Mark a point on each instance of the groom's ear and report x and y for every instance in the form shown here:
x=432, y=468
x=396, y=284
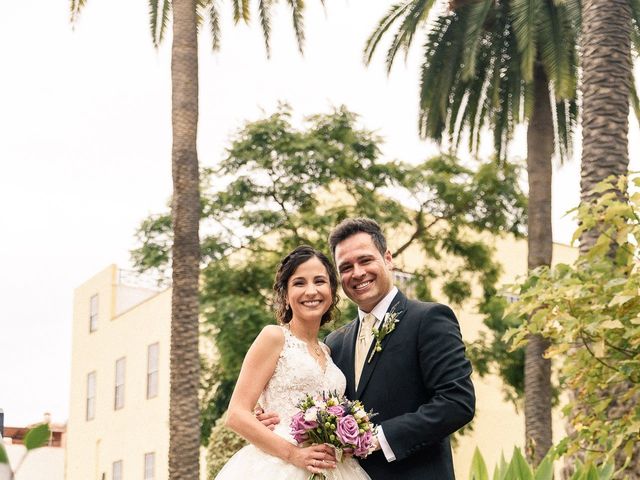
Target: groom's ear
x=388, y=258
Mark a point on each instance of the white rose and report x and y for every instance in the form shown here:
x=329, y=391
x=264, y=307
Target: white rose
x=311, y=415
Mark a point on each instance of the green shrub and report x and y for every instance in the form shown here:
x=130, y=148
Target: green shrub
x=223, y=443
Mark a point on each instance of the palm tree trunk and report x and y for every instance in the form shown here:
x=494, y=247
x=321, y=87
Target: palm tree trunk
x=184, y=427
x=606, y=87
x=537, y=370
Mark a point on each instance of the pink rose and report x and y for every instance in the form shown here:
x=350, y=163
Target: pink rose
x=347, y=430
x=363, y=444
x=336, y=410
x=299, y=427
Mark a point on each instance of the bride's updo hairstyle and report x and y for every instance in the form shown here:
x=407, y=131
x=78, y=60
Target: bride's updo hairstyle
x=287, y=268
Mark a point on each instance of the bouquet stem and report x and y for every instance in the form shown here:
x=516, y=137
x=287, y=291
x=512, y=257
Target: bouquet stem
x=317, y=476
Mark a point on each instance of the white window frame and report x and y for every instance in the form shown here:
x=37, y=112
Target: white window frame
x=116, y=470
x=118, y=397
x=93, y=313
x=90, y=412
x=153, y=354
x=149, y=466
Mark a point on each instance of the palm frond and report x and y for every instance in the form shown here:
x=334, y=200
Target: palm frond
x=383, y=25
x=264, y=12
x=439, y=74
x=214, y=25
x=557, y=49
x=159, y=12
x=476, y=95
x=418, y=12
x=635, y=40
x=297, y=14
x=564, y=127
x=75, y=7
x=635, y=17
x=525, y=17
x=635, y=101
x=574, y=12
x=476, y=17
x=457, y=107
x=529, y=99
x=241, y=11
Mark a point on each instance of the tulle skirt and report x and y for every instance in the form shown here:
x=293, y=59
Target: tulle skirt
x=251, y=462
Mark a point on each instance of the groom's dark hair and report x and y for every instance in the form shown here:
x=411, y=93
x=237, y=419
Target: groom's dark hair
x=352, y=226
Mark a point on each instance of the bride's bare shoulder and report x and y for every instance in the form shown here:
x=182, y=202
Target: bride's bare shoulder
x=271, y=335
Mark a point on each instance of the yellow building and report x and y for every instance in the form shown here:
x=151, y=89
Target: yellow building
x=497, y=426
x=118, y=420
x=119, y=403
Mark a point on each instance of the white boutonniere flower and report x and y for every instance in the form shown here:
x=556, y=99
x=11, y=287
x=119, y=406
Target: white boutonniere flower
x=387, y=326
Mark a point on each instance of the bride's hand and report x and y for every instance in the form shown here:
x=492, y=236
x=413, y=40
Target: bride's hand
x=314, y=458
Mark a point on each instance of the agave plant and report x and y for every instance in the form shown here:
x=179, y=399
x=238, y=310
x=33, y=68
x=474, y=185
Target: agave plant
x=517, y=468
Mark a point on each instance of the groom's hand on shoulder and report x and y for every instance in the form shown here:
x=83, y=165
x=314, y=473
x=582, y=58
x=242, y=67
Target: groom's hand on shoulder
x=268, y=419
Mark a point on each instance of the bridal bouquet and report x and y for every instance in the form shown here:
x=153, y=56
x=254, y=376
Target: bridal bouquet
x=334, y=420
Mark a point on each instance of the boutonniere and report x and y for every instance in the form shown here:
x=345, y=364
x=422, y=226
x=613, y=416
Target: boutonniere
x=387, y=326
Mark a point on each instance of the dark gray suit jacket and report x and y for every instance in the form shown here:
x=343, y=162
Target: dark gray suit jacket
x=419, y=384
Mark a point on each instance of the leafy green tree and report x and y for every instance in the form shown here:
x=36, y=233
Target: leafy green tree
x=288, y=186
x=590, y=312
x=187, y=16
x=496, y=64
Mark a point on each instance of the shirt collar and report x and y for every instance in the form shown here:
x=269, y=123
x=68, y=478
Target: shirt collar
x=383, y=305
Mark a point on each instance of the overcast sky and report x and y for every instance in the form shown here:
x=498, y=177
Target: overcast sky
x=85, y=140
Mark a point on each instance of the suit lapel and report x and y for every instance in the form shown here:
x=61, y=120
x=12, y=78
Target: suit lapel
x=400, y=304
x=349, y=369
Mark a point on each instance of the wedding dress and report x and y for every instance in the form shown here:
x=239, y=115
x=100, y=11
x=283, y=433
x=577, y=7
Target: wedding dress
x=297, y=373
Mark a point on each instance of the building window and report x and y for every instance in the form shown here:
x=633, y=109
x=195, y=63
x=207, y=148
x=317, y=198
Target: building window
x=91, y=395
x=149, y=466
x=152, y=370
x=119, y=391
x=93, y=313
x=116, y=471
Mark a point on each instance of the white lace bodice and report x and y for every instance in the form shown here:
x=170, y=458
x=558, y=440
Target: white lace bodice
x=297, y=373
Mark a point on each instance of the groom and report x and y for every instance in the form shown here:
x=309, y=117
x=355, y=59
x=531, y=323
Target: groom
x=418, y=379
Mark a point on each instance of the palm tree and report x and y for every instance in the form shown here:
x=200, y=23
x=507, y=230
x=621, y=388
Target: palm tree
x=610, y=28
x=184, y=415
x=495, y=64
x=607, y=85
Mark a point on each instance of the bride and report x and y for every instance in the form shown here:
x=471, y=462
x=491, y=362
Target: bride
x=285, y=363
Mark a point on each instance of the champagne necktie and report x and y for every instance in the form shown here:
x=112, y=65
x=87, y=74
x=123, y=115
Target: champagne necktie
x=363, y=343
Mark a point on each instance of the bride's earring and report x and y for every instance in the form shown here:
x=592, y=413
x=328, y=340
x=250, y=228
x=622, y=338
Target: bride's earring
x=287, y=307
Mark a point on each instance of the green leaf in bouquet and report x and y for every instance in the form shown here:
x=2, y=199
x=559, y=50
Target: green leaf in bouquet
x=37, y=437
